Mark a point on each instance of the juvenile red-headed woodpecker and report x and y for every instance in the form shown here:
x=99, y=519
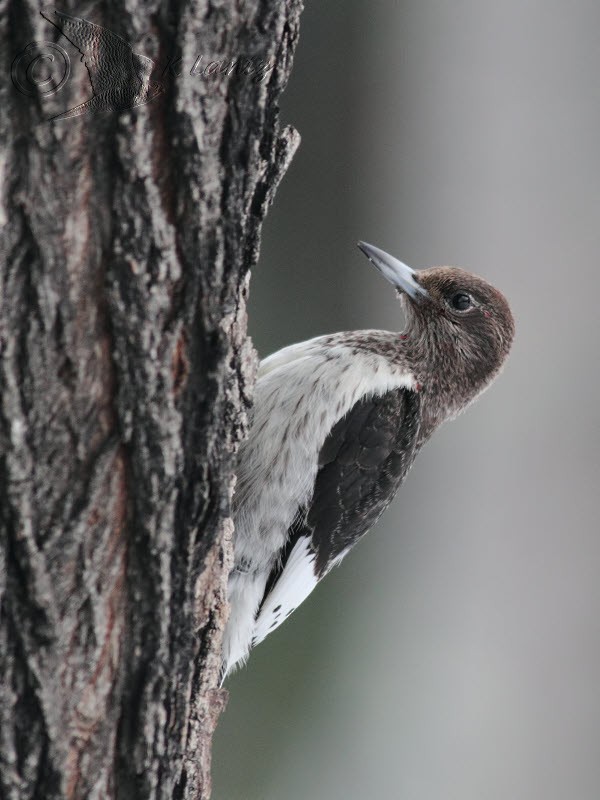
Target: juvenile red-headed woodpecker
x=336, y=424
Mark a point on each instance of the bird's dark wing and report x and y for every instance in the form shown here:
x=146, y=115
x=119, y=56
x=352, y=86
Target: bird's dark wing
x=361, y=466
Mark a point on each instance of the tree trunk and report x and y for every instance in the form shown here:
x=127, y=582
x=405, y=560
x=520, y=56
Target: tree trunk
x=125, y=378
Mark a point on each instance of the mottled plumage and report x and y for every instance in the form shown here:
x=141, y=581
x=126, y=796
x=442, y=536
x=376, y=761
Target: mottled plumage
x=337, y=422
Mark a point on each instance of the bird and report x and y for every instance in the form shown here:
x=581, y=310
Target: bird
x=336, y=424
x=120, y=78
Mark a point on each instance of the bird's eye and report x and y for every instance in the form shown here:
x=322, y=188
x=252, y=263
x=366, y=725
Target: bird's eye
x=461, y=301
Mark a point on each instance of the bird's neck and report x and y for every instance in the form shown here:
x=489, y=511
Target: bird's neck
x=439, y=370
x=449, y=383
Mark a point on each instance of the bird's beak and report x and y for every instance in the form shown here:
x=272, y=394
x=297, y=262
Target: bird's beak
x=397, y=273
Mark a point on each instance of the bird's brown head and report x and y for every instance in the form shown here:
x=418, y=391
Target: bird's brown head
x=459, y=328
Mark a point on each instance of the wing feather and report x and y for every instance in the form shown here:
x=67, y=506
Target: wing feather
x=362, y=463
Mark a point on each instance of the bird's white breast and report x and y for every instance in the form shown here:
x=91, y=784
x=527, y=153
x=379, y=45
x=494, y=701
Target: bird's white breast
x=301, y=392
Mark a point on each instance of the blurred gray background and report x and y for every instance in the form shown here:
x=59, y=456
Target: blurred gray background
x=456, y=651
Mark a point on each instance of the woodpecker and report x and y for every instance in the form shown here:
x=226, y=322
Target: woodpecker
x=336, y=425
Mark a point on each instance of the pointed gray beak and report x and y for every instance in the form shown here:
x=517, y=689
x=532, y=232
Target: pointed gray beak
x=397, y=273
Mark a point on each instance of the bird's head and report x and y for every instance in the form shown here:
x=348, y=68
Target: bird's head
x=459, y=327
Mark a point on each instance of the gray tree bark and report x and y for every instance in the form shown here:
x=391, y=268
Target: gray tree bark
x=125, y=378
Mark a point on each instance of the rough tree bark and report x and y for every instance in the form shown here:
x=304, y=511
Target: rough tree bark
x=125, y=376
